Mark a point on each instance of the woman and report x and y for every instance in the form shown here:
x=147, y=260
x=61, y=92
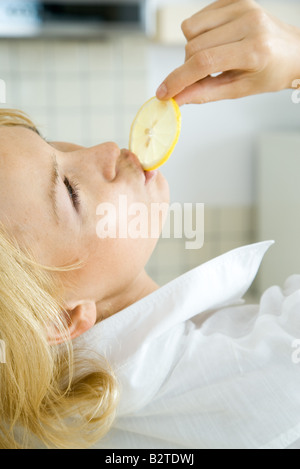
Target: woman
x=60, y=282
x=49, y=199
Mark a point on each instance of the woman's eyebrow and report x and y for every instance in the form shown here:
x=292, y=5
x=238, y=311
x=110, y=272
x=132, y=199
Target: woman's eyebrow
x=54, y=177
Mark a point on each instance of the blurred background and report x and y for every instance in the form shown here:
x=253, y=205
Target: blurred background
x=82, y=68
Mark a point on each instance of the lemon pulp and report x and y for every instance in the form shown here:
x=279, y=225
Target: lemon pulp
x=155, y=132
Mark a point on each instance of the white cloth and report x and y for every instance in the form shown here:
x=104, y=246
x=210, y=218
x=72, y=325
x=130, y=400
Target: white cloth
x=200, y=369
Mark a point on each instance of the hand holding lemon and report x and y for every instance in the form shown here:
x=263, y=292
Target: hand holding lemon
x=234, y=48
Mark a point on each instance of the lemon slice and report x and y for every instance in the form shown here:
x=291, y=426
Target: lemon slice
x=155, y=132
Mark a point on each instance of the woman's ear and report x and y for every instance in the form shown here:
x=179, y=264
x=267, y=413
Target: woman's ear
x=81, y=318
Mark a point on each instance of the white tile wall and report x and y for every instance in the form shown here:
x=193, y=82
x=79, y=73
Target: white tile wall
x=88, y=91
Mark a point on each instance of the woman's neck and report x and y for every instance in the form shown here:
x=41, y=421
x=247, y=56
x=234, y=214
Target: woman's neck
x=142, y=287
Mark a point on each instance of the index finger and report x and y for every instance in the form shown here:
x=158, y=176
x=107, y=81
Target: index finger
x=206, y=62
x=219, y=4
x=206, y=20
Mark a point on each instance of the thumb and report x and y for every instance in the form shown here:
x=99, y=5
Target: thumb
x=213, y=89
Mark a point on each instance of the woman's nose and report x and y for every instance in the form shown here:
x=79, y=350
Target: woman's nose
x=105, y=158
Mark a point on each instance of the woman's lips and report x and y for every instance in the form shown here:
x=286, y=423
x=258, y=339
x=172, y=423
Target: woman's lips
x=148, y=175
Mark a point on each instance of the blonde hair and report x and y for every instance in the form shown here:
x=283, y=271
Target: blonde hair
x=43, y=396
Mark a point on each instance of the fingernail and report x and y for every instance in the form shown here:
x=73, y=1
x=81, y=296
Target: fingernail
x=162, y=91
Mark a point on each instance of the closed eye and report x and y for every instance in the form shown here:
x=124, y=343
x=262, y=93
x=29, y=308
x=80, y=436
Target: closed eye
x=72, y=187
x=73, y=190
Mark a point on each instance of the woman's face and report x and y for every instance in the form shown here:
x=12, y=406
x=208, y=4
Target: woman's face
x=62, y=226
